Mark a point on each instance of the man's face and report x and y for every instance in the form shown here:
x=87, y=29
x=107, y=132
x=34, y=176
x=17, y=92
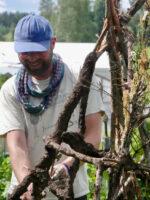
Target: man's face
x=36, y=63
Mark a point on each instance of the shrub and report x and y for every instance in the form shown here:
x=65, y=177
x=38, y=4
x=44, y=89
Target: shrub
x=91, y=169
x=5, y=174
x=3, y=78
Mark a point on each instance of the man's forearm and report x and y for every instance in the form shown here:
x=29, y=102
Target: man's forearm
x=19, y=155
x=20, y=164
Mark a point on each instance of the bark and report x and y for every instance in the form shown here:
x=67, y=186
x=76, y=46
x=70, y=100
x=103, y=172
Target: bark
x=98, y=182
x=145, y=138
x=132, y=11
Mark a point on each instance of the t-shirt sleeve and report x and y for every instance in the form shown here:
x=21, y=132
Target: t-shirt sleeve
x=11, y=114
x=95, y=103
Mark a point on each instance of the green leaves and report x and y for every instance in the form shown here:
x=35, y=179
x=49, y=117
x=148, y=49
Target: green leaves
x=5, y=174
x=3, y=78
x=8, y=22
x=76, y=20
x=5, y=167
x=91, y=169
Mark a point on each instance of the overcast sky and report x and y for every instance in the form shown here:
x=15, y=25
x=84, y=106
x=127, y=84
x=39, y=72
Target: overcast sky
x=31, y=5
x=19, y=5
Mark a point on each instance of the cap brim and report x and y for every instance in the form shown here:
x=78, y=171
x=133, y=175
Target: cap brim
x=21, y=47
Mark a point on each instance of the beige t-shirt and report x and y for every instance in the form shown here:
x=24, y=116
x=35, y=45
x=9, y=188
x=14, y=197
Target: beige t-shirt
x=13, y=117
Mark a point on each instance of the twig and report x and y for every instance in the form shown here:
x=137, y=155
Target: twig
x=131, y=12
x=98, y=182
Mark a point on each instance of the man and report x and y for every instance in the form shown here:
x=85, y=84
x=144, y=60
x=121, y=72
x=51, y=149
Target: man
x=30, y=103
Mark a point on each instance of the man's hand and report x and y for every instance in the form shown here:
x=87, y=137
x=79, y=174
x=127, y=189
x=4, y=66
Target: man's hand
x=59, y=174
x=27, y=195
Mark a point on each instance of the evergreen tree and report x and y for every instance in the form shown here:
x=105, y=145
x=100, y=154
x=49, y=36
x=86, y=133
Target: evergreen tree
x=74, y=21
x=8, y=22
x=99, y=14
x=48, y=9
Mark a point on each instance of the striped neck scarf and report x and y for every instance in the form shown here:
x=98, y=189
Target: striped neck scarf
x=25, y=87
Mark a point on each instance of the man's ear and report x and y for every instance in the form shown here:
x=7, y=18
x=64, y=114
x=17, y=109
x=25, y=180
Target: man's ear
x=53, y=41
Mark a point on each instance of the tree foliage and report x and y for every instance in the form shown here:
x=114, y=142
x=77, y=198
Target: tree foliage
x=5, y=175
x=74, y=21
x=8, y=22
x=3, y=78
x=99, y=14
x=80, y=21
x=48, y=9
x=71, y=20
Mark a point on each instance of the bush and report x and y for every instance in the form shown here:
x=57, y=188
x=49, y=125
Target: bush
x=5, y=167
x=5, y=175
x=3, y=78
x=91, y=169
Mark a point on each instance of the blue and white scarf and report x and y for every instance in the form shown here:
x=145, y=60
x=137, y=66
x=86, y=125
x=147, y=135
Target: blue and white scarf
x=25, y=88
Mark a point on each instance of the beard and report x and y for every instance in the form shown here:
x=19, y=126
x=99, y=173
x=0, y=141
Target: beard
x=42, y=66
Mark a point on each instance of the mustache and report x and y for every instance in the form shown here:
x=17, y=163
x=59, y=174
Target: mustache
x=29, y=62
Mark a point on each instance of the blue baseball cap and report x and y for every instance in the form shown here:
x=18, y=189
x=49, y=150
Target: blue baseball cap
x=32, y=34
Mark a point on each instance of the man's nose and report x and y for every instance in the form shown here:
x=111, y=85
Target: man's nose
x=32, y=56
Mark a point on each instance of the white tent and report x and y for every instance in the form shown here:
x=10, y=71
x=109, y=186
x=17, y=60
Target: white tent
x=73, y=54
